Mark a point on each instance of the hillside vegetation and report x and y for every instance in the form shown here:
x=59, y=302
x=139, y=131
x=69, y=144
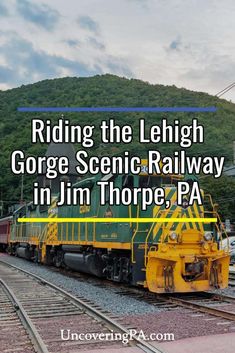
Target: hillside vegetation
x=109, y=90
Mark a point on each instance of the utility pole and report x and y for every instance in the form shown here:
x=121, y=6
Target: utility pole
x=22, y=189
x=1, y=207
x=234, y=152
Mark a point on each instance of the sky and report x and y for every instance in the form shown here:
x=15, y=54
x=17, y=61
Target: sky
x=186, y=43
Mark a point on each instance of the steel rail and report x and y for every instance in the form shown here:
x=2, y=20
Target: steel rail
x=203, y=308
x=226, y=298
x=33, y=333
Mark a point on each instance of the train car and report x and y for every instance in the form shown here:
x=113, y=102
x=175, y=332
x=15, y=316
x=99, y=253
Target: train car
x=162, y=257
x=5, y=226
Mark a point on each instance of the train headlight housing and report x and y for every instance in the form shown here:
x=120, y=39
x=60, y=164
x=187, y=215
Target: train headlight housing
x=214, y=247
x=208, y=236
x=205, y=248
x=173, y=236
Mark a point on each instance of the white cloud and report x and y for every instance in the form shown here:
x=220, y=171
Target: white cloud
x=186, y=43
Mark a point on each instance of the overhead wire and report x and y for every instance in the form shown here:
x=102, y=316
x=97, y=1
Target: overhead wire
x=225, y=90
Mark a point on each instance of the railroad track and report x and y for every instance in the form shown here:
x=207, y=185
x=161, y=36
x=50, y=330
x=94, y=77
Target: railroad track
x=207, y=306
x=213, y=304
x=218, y=305
x=39, y=310
x=17, y=330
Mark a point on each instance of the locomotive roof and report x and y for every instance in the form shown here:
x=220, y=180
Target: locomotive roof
x=5, y=219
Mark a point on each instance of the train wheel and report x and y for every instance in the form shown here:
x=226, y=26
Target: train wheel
x=58, y=259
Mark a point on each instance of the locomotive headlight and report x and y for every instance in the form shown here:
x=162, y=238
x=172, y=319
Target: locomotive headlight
x=173, y=236
x=214, y=247
x=208, y=236
x=205, y=248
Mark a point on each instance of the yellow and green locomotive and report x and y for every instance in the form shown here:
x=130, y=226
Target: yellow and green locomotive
x=162, y=257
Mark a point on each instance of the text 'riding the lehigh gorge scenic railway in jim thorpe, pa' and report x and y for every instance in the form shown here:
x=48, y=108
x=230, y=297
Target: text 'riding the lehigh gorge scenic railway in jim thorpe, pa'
x=117, y=176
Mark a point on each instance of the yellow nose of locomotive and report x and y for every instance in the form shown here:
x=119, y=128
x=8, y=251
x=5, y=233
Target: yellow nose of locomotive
x=187, y=262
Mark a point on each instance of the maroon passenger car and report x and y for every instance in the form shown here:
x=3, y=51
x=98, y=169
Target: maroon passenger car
x=5, y=225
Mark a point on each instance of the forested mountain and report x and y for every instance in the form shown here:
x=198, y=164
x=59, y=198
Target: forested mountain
x=109, y=90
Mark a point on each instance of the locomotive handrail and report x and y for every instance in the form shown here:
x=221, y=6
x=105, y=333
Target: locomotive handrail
x=219, y=219
x=222, y=230
x=133, y=236
x=41, y=239
x=147, y=237
x=146, y=244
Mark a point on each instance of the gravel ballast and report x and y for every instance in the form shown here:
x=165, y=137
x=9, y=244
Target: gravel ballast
x=106, y=298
